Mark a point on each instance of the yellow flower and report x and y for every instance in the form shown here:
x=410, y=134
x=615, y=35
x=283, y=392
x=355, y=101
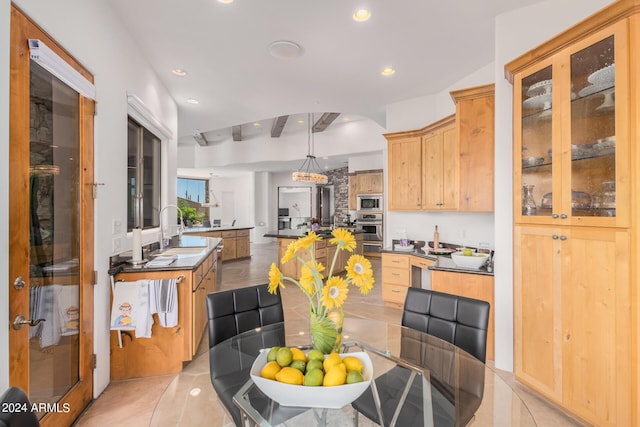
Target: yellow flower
x=275, y=278
x=289, y=253
x=334, y=292
x=343, y=239
x=307, y=279
x=307, y=241
x=360, y=273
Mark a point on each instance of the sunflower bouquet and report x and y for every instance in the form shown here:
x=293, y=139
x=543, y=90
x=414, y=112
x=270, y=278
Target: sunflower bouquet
x=326, y=294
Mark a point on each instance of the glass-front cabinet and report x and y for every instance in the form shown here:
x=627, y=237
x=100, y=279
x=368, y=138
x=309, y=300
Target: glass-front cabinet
x=571, y=145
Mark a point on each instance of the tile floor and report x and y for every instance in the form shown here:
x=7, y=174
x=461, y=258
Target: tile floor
x=131, y=403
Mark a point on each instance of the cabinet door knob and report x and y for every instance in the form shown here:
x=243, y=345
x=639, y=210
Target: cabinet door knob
x=555, y=216
x=563, y=237
x=563, y=216
x=555, y=237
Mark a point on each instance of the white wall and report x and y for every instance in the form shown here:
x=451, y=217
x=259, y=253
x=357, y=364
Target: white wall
x=94, y=36
x=516, y=33
x=367, y=162
x=5, y=17
x=241, y=189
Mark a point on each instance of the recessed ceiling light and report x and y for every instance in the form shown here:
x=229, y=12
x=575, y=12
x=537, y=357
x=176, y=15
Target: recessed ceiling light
x=325, y=158
x=225, y=1
x=300, y=122
x=388, y=71
x=179, y=72
x=361, y=15
x=193, y=101
x=345, y=119
x=256, y=124
x=285, y=49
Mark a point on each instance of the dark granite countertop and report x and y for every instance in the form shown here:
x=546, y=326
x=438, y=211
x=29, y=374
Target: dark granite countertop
x=442, y=262
x=198, y=248
x=294, y=234
x=221, y=228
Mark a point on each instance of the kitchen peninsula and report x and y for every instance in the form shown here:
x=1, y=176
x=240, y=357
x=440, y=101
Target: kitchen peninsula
x=235, y=240
x=324, y=252
x=195, y=269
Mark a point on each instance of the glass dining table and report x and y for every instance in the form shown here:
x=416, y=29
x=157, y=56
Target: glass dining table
x=457, y=389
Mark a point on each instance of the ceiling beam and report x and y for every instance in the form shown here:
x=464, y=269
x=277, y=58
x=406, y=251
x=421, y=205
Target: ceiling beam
x=200, y=139
x=324, y=121
x=236, y=131
x=278, y=125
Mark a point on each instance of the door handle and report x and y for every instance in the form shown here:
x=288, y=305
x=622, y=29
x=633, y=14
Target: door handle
x=20, y=321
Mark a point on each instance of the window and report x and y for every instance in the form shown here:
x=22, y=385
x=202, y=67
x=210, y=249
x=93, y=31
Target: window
x=192, y=194
x=143, y=177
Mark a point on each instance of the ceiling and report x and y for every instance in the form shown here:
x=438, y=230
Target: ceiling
x=224, y=50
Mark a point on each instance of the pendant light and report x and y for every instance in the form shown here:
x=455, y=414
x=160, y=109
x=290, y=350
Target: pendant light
x=310, y=170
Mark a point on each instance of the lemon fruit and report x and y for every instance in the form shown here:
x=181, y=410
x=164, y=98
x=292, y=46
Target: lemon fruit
x=334, y=376
x=354, y=377
x=271, y=356
x=315, y=355
x=298, y=354
x=284, y=356
x=314, y=377
x=290, y=375
x=467, y=252
x=314, y=364
x=353, y=364
x=331, y=360
x=270, y=370
x=299, y=365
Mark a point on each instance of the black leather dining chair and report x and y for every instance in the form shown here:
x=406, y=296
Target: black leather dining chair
x=230, y=313
x=458, y=320
x=10, y=417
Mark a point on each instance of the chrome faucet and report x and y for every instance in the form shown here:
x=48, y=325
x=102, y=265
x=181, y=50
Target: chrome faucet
x=180, y=230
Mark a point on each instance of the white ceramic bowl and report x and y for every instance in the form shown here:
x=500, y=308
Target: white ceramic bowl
x=476, y=260
x=312, y=397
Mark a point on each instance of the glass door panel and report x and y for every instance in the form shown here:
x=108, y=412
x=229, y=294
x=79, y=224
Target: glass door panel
x=537, y=143
x=54, y=236
x=593, y=136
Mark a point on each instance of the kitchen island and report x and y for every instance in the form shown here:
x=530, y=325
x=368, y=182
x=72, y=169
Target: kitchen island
x=195, y=269
x=324, y=251
x=235, y=240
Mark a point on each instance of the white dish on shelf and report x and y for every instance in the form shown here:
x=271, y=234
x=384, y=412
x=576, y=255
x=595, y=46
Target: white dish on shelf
x=312, y=397
x=595, y=88
x=605, y=75
x=538, y=101
x=539, y=88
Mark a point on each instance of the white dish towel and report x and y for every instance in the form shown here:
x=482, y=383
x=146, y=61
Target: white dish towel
x=165, y=296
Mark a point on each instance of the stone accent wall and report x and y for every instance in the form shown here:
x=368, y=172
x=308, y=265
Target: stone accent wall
x=339, y=178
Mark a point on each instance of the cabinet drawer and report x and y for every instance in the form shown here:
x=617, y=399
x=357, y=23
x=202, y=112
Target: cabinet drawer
x=421, y=262
x=321, y=253
x=217, y=234
x=396, y=276
x=242, y=233
x=198, y=275
x=229, y=234
x=394, y=294
x=321, y=244
x=395, y=261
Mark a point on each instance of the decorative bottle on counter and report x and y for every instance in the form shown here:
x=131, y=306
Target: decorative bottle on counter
x=436, y=239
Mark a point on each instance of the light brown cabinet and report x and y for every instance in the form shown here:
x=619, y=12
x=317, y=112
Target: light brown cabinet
x=477, y=286
x=236, y=243
x=447, y=165
x=364, y=182
x=167, y=349
x=576, y=299
x=396, y=278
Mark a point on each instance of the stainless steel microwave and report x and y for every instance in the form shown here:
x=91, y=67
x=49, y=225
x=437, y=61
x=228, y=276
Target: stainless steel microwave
x=370, y=202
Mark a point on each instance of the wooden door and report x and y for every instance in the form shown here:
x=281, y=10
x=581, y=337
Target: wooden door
x=596, y=319
x=537, y=308
x=449, y=168
x=51, y=223
x=405, y=173
x=353, y=192
x=433, y=171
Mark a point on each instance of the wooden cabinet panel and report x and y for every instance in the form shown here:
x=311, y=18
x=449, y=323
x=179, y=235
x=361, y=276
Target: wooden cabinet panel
x=477, y=286
x=439, y=161
x=475, y=117
x=243, y=247
x=353, y=192
x=405, y=173
x=229, y=249
x=396, y=278
x=369, y=182
x=394, y=294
